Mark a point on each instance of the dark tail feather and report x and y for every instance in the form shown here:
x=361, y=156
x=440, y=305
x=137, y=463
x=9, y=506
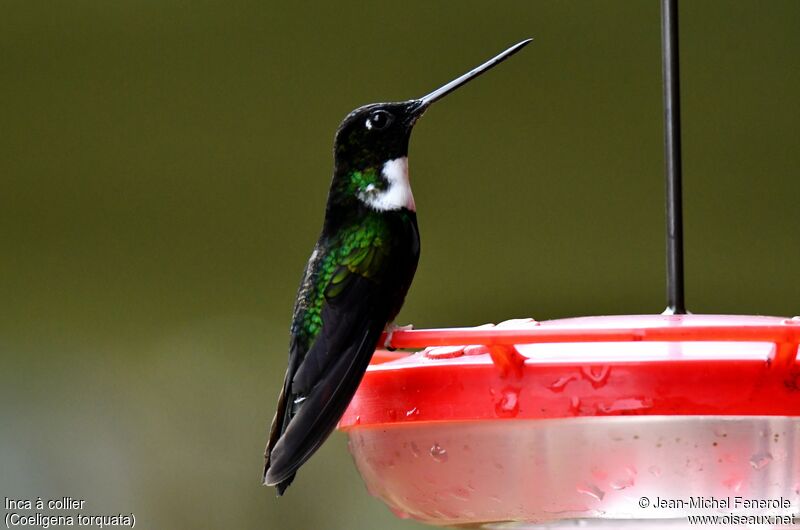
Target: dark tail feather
x=281, y=486
x=278, y=426
x=279, y=423
x=320, y=412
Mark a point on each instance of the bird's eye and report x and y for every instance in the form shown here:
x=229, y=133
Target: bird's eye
x=380, y=119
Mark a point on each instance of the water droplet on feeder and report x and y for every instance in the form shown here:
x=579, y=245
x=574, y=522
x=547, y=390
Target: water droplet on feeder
x=760, y=460
x=597, y=375
x=438, y=453
x=559, y=384
x=622, y=483
x=655, y=471
x=507, y=406
x=415, y=450
x=625, y=482
x=592, y=491
x=628, y=404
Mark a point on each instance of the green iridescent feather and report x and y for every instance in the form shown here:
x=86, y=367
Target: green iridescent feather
x=360, y=180
x=358, y=249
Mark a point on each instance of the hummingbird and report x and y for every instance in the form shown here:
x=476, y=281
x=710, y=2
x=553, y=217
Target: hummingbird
x=357, y=277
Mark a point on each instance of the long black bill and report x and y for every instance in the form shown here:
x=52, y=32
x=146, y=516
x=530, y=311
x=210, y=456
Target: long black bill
x=439, y=93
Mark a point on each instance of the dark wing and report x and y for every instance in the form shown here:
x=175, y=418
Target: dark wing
x=319, y=387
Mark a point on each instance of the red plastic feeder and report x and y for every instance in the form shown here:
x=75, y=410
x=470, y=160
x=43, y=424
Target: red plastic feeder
x=582, y=418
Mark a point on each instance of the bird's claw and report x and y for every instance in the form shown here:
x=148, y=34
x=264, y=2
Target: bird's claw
x=390, y=329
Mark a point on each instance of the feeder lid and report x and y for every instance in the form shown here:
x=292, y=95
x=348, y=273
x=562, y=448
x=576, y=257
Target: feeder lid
x=590, y=366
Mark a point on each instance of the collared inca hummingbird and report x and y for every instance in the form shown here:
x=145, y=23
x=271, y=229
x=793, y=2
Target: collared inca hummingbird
x=357, y=277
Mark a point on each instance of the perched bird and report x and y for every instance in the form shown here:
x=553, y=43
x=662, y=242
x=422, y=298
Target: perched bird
x=356, y=279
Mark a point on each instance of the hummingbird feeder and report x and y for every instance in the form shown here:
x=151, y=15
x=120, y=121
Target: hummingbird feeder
x=603, y=420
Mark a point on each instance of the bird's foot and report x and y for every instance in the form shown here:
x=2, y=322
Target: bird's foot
x=390, y=329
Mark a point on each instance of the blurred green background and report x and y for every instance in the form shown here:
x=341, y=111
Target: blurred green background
x=164, y=169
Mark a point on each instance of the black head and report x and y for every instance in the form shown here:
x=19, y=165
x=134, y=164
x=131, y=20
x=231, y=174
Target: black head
x=373, y=134
x=371, y=148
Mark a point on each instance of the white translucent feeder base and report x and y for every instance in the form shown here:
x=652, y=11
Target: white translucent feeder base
x=582, y=472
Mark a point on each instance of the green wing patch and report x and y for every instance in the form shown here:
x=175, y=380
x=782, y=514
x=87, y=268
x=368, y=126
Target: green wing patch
x=360, y=249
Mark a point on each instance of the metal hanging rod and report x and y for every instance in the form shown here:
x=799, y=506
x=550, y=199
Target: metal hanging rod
x=672, y=151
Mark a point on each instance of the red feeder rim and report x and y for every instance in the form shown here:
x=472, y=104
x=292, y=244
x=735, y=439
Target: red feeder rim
x=591, y=366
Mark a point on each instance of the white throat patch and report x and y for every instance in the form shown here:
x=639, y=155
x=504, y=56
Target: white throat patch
x=398, y=194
